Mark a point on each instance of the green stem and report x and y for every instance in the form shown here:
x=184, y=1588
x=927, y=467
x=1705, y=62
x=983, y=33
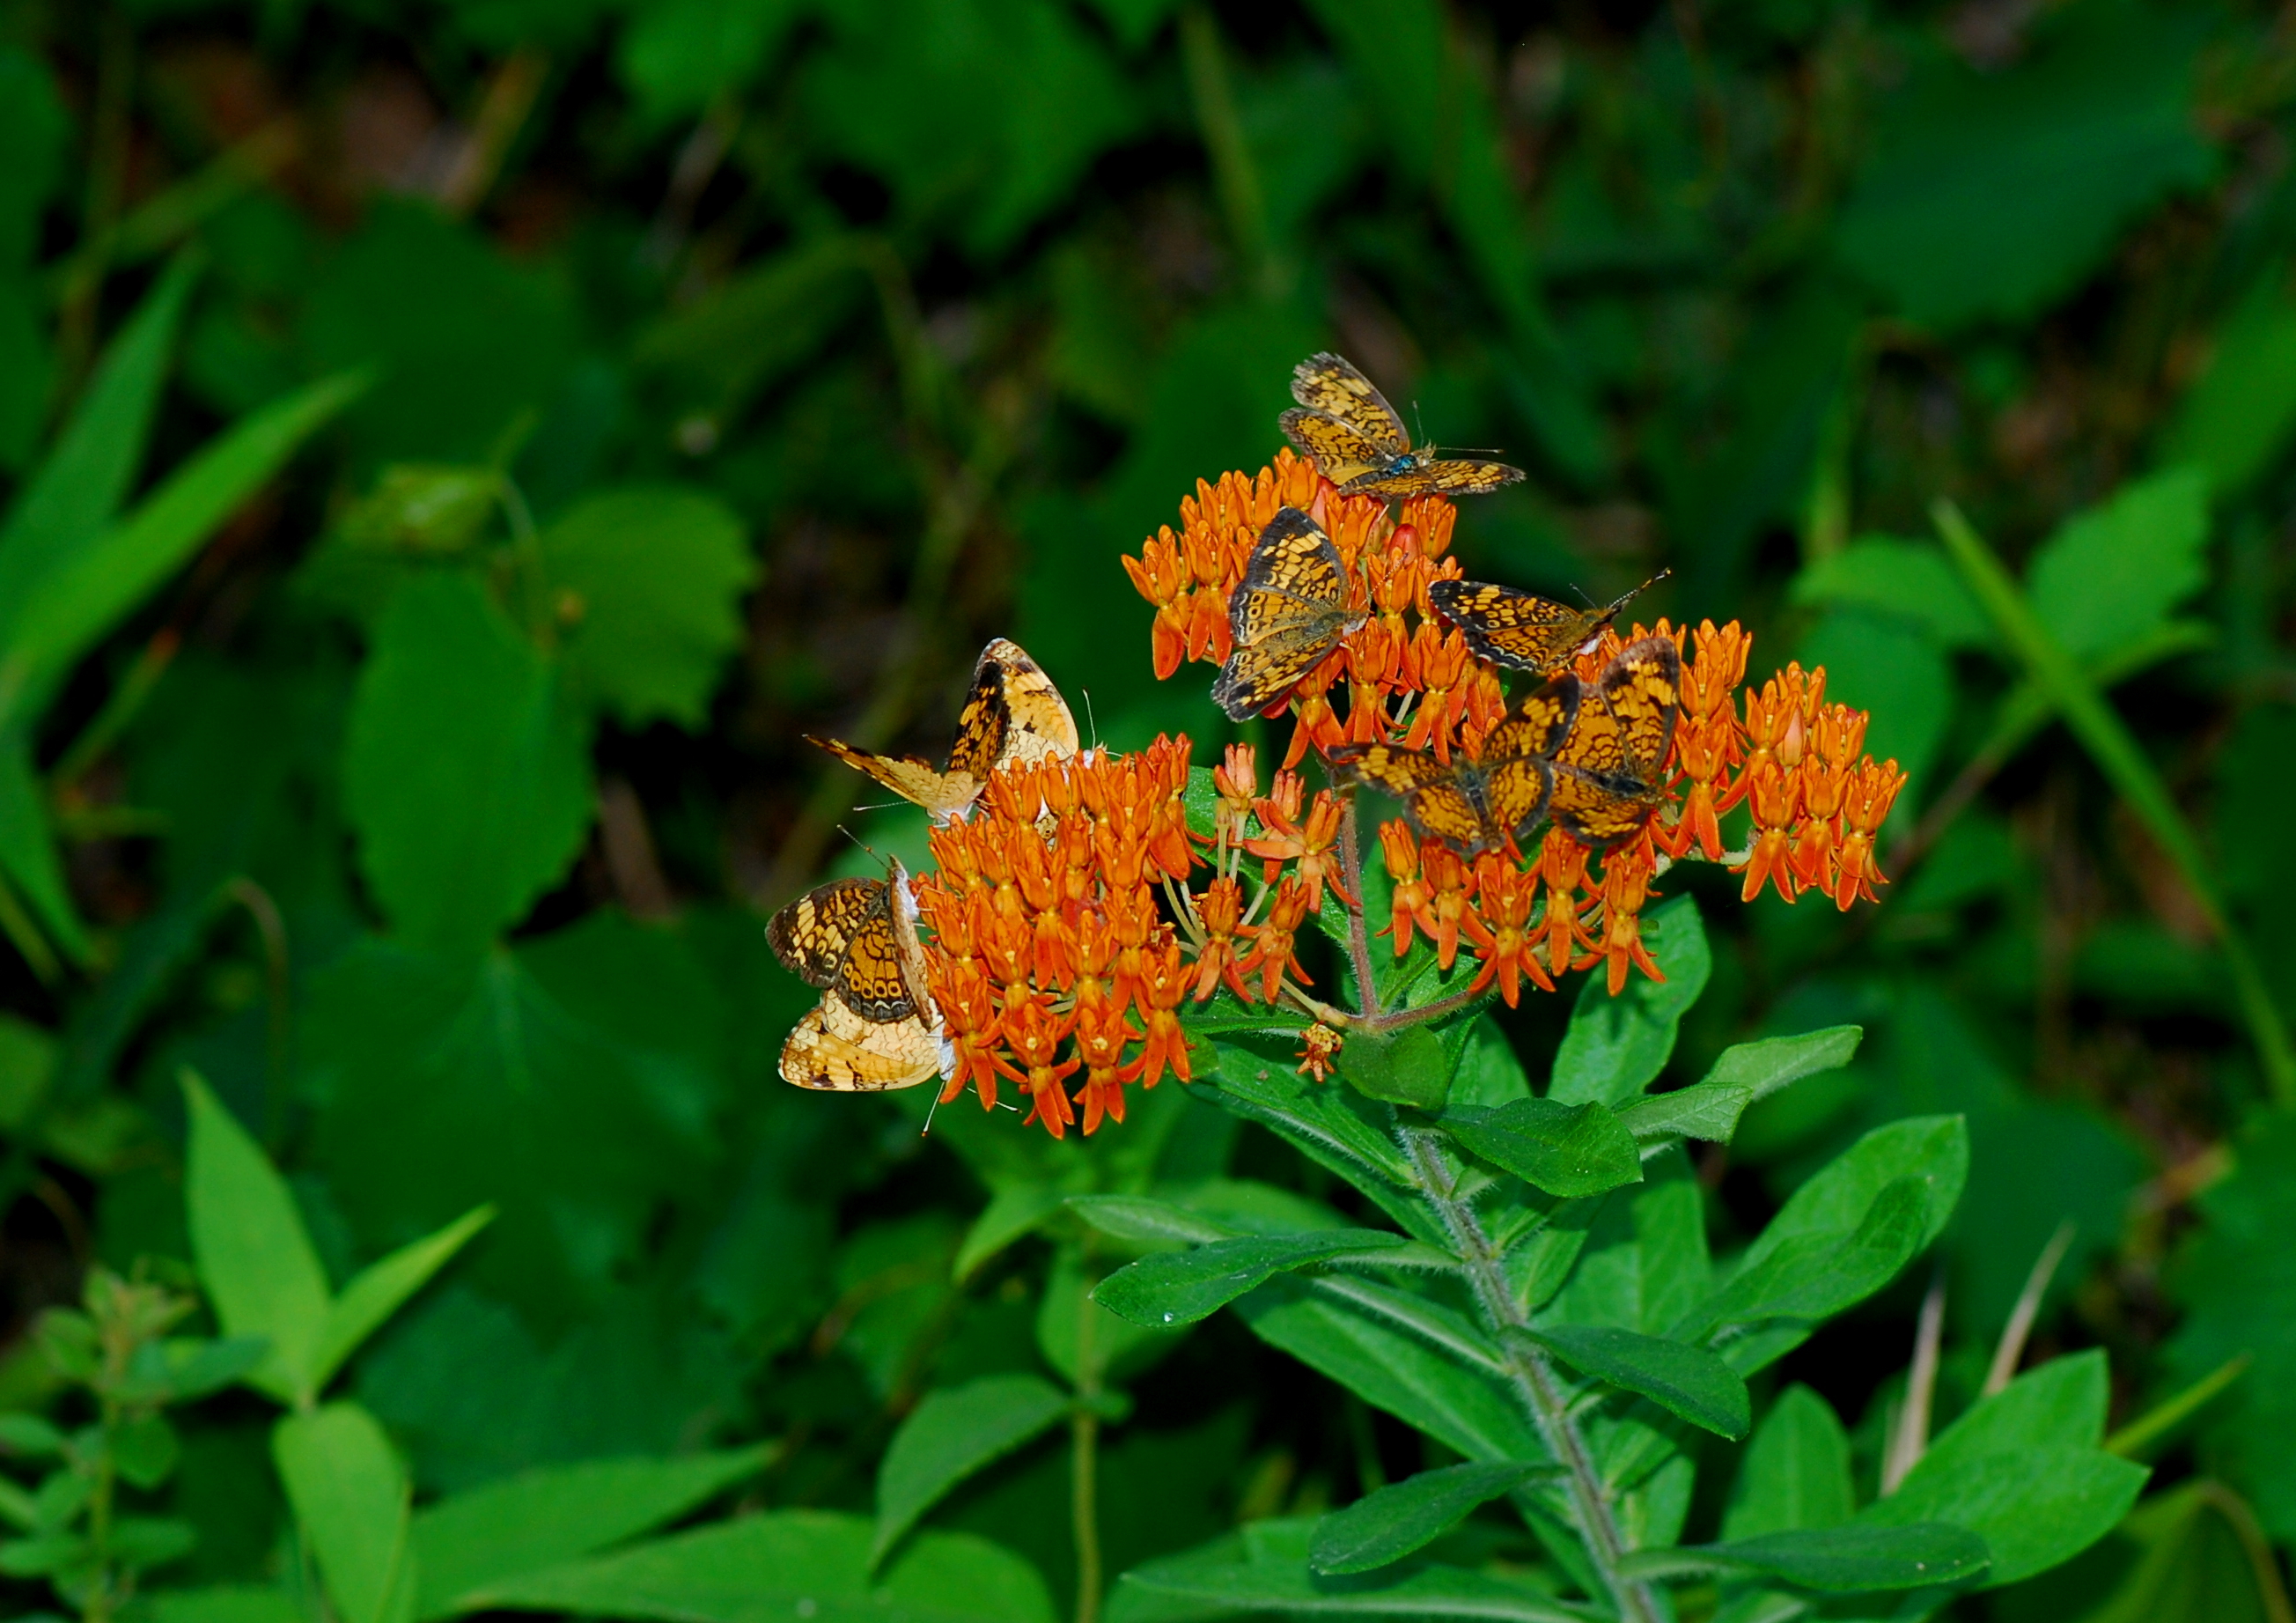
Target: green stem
x=1351, y=870
x=2118, y=754
x=98, y=1605
x=1083, y=1469
x=1528, y=1370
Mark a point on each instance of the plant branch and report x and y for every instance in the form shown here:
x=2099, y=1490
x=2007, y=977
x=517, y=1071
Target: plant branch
x=1531, y=1374
x=1358, y=928
x=2129, y=771
x=1084, y=1468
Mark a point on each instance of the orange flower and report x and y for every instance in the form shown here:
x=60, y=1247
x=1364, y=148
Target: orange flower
x=1271, y=943
x=1500, y=929
x=1626, y=886
x=1412, y=894
x=1562, y=865
x=1319, y=1051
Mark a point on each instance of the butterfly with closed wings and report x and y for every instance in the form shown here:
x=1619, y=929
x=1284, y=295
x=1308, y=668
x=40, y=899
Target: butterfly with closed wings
x=1291, y=608
x=1479, y=803
x=1360, y=444
x=875, y=1026
x=1014, y=717
x=1610, y=771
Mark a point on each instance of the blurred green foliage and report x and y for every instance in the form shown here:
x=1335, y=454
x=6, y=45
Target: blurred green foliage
x=451, y=452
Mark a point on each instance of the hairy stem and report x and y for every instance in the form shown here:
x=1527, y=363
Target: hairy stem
x=1532, y=1376
x=1358, y=928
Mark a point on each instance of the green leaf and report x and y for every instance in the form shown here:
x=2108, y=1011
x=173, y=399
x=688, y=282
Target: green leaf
x=649, y=581
x=143, y=1542
x=1393, y=1369
x=1384, y=1526
x=1817, y=1275
x=2202, y=1557
x=1990, y=193
x=378, y=1291
x=82, y=598
x=1690, y=1381
x=809, y=1564
x=350, y=1495
x=1934, y=1150
x=184, y=1367
x=1085, y=1343
x=29, y=860
x=1616, y=1046
x=1906, y=579
x=1565, y=1149
x=1745, y=1074
x=145, y=1450
x=1015, y=1210
x=1174, y=1287
x=542, y=1519
x=2115, y=573
x=464, y=772
x=1337, y=1128
x=2235, y=419
x=1269, y=1572
x=1137, y=1218
x=90, y=472
x=255, y=1259
x=752, y=329
x=2034, y=1508
x=1796, y=1471
x=1408, y=1068
x=951, y=1435
x=224, y=1604
x=1893, y=669
x=1842, y=1561
x=30, y=1434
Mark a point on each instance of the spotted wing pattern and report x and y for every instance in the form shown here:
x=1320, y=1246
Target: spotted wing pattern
x=1608, y=771
x=1013, y=715
x=1473, y=804
x=834, y=1049
x=875, y=1026
x=1520, y=630
x=1289, y=611
x=1359, y=443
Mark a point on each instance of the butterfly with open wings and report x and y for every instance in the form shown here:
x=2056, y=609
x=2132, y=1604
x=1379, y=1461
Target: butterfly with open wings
x=1610, y=769
x=1291, y=608
x=1360, y=444
x=1480, y=803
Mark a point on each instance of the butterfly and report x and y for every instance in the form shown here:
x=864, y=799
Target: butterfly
x=1607, y=773
x=875, y=1026
x=1359, y=444
x=1288, y=613
x=1014, y=717
x=1479, y=804
x=1523, y=630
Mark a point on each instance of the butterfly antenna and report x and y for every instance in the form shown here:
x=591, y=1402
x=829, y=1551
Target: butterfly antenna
x=1090, y=720
x=877, y=806
x=1639, y=590
x=929, y=1110
x=857, y=840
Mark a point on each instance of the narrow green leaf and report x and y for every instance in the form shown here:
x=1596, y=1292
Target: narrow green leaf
x=378, y=1291
x=1820, y=1274
x=1616, y=1046
x=1408, y=1068
x=2203, y=1557
x=544, y=1518
x=1140, y=1218
x=1223, y=1580
x=2034, y=1506
x=1565, y=1149
x=1384, y=1526
x=1745, y=1074
x=76, y=603
x=255, y=1260
x=953, y=1434
x=808, y=1564
x=1013, y=1211
x=223, y=1603
x=1465, y=1408
x=1691, y=1381
x=1176, y=1288
x=1934, y=1150
x=29, y=861
x=2113, y=574
x=1840, y=1560
x=350, y=1495
x=1796, y=1471
x=88, y=473
x=184, y=1367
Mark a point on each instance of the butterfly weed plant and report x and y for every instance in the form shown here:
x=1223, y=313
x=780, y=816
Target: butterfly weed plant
x=1528, y=1284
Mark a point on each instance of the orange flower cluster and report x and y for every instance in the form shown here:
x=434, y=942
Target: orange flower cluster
x=1816, y=801
x=1410, y=677
x=1046, y=934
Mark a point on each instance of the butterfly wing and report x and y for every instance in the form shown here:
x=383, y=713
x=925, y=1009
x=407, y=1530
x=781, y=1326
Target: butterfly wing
x=1642, y=688
x=1542, y=721
x=984, y=723
x=1039, y=727
x=1519, y=629
x=1289, y=611
x=814, y=934
x=834, y=1049
x=1598, y=809
x=1330, y=384
x=1342, y=452
x=1442, y=799
x=946, y=794
x=1444, y=476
